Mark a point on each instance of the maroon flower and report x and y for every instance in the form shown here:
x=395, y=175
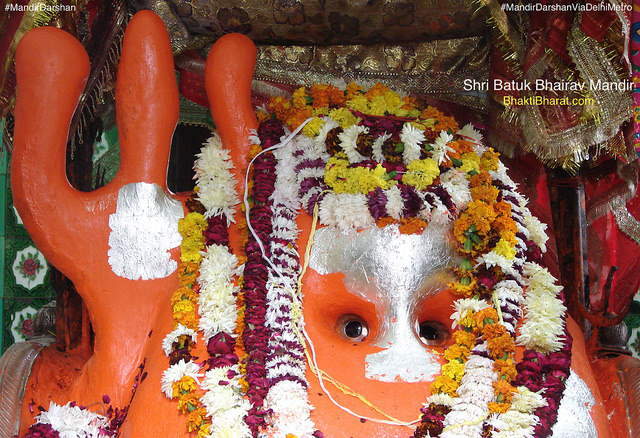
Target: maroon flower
x=29, y=267
x=40, y=430
x=27, y=327
x=270, y=132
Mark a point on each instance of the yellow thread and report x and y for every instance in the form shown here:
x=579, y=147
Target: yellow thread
x=496, y=303
x=465, y=423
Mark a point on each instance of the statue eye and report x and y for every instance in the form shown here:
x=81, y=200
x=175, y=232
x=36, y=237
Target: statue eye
x=353, y=328
x=433, y=333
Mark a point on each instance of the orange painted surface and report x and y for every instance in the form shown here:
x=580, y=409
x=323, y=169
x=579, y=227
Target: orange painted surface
x=131, y=318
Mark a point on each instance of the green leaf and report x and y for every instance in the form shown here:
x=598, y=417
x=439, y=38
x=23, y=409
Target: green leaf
x=427, y=147
x=473, y=172
x=456, y=162
x=466, y=265
x=468, y=244
x=465, y=281
x=399, y=147
x=389, y=176
x=475, y=238
x=308, y=100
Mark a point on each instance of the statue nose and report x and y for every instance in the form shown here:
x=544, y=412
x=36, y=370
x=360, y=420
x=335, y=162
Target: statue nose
x=404, y=357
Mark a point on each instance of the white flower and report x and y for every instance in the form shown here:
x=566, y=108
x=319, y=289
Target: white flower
x=440, y=399
x=216, y=183
x=537, y=230
x=348, y=211
x=176, y=372
x=348, y=139
x=180, y=330
x=72, y=421
x=395, y=203
x=470, y=133
x=492, y=258
x=456, y=183
x=411, y=137
x=377, y=147
x=441, y=151
x=291, y=410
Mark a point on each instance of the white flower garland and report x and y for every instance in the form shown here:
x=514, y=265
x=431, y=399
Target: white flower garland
x=73, y=421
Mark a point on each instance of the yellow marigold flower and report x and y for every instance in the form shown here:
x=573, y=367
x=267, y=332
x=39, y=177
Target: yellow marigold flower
x=193, y=224
x=505, y=249
x=344, y=117
x=454, y=370
x=320, y=111
x=299, y=98
x=242, y=381
x=469, y=320
x=195, y=419
x=312, y=128
x=483, y=193
x=336, y=173
x=204, y=430
x=421, y=173
x=489, y=160
x=184, y=306
x=358, y=103
x=470, y=162
x=378, y=106
x=444, y=384
x=464, y=338
x=393, y=100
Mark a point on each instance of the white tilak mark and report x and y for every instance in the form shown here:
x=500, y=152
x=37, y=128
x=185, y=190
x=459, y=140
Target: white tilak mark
x=396, y=272
x=143, y=230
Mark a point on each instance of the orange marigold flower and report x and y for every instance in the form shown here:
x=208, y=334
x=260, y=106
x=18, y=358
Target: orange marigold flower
x=183, y=386
x=504, y=388
x=189, y=320
x=481, y=179
x=188, y=273
x=447, y=124
x=498, y=408
x=464, y=290
x=491, y=330
x=464, y=339
x=352, y=90
x=377, y=90
x=489, y=160
x=336, y=97
x=504, y=225
x=408, y=103
x=262, y=116
x=188, y=402
x=461, y=226
x=481, y=215
x=296, y=118
x=412, y=225
x=431, y=113
x=506, y=369
x=502, y=208
x=483, y=193
x=486, y=316
x=464, y=146
x=195, y=419
x=457, y=351
x=500, y=345
x=320, y=95
x=384, y=221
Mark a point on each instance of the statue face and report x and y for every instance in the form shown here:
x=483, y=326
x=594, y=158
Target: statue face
x=377, y=309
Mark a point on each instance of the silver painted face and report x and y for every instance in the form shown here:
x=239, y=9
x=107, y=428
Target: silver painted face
x=143, y=229
x=395, y=272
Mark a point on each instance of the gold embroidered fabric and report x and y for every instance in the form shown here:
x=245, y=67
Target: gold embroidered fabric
x=435, y=69
x=193, y=23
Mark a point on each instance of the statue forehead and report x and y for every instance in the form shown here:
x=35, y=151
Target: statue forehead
x=392, y=262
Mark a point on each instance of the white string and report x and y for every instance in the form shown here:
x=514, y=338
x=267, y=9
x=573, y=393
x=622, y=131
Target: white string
x=286, y=282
